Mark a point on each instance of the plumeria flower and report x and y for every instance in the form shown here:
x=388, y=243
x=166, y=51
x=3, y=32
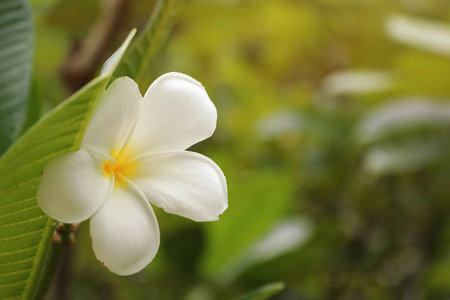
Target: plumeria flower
x=133, y=153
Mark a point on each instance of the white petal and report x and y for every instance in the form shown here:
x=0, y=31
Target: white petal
x=176, y=114
x=183, y=183
x=73, y=187
x=114, y=118
x=124, y=232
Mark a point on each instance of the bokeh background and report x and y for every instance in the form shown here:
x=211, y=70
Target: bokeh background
x=333, y=132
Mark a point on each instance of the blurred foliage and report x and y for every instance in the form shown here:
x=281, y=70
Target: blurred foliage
x=334, y=138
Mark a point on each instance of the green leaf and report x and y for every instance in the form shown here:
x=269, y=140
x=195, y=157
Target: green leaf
x=138, y=59
x=34, y=107
x=264, y=292
x=16, y=50
x=25, y=231
x=247, y=219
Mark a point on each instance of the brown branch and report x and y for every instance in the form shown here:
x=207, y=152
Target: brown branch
x=86, y=57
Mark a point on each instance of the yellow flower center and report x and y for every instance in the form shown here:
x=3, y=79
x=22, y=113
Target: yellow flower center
x=123, y=166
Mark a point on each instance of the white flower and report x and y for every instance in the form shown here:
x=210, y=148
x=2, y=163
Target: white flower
x=134, y=153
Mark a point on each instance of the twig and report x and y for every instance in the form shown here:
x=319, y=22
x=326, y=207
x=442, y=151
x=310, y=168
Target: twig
x=86, y=57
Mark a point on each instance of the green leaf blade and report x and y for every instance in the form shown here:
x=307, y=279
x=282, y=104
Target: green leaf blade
x=25, y=231
x=272, y=190
x=16, y=45
x=34, y=107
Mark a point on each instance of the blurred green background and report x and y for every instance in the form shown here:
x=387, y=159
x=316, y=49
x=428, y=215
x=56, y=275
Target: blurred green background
x=333, y=132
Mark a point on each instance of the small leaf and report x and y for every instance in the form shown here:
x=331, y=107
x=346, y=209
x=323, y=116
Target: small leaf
x=141, y=55
x=264, y=292
x=16, y=50
x=25, y=231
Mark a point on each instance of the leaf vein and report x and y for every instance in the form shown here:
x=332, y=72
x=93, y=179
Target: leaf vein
x=13, y=237
x=23, y=222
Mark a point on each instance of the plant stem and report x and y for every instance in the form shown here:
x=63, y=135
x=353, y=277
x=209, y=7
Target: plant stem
x=62, y=236
x=50, y=265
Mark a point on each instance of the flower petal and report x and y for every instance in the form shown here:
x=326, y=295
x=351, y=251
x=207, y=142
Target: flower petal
x=114, y=118
x=176, y=114
x=73, y=187
x=183, y=183
x=124, y=232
